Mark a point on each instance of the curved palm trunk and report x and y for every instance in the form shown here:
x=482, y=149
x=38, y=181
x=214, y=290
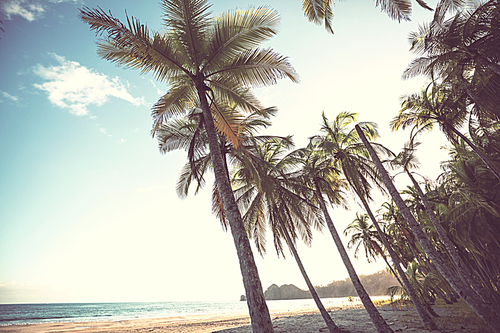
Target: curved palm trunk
x=382, y=254
x=465, y=291
x=332, y=327
x=462, y=268
x=427, y=321
x=259, y=313
x=494, y=67
x=375, y=316
x=392, y=270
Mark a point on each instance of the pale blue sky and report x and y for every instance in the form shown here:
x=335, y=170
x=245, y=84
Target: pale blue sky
x=88, y=210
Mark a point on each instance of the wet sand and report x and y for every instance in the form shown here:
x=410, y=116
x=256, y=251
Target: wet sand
x=352, y=319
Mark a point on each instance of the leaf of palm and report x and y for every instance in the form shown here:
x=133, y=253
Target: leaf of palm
x=231, y=92
x=218, y=207
x=237, y=31
x=319, y=12
x=187, y=176
x=132, y=46
x=190, y=20
x=177, y=134
x=258, y=119
x=257, y=68
x=227, y=122
x=176, y=102
x=396, y=9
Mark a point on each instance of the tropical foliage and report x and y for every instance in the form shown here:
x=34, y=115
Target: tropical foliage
x=438, y=238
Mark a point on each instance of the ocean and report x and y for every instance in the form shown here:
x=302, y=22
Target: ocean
x=22, y=314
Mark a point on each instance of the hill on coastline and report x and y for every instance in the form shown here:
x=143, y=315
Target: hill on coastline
x=375, y=284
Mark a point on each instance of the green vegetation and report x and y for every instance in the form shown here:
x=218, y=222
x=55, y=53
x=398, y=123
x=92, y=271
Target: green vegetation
x=375, y=284
x=439, y=238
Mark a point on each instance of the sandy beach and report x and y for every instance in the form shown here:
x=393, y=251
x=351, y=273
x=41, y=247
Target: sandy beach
x=352, y=319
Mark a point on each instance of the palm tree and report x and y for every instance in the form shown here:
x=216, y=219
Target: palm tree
x=407, y=160
x=200, y=58
x=427, y=285
x=465, y=291
x=472, y=214
x=365, y=234
x=440, y=106
x=276, y=202
x=319, y=174
x=351, y=157
x=462, y=51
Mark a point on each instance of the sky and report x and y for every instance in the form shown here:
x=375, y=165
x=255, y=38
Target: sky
x=88, y=209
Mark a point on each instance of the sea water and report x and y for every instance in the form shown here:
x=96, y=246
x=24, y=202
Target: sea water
x=22, y=314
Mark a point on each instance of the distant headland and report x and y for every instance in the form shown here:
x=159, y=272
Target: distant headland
x=375, y=284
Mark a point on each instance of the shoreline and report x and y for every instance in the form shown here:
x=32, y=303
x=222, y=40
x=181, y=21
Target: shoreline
x=350, y=318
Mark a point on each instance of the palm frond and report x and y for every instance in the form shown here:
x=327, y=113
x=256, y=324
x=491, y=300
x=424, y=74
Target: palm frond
x=131, y=45
x=258, y=68
x=189, y=21
x=177, y=101
x=319, y=12
x=237, y=31
x=396, y=9
x=218, y=207
x=229, y=91
x=227, y=122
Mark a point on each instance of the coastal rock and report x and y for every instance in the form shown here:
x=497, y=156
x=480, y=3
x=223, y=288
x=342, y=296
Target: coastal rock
x=286, y=291
x=375, y=284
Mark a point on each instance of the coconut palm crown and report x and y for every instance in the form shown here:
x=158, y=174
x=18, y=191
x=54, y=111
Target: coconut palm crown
x=219, y=54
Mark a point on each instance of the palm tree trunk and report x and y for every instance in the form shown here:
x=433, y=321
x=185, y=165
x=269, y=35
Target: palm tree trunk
x=259, y=313
x=494, y=67
x=332, y=327
x=465, y=291
x=427, y=321
x=462, y=268
x=392, y=271
x=375, y=316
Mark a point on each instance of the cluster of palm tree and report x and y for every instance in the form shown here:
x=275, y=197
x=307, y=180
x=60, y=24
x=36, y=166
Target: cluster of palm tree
x=454, y=221
x=263, y=184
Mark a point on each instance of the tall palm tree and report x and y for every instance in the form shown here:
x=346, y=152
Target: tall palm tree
x=440, y=106
x=365, y=235
x=472, y=213
x=464, y=290
x=407, y=160
x=200, y=58
x=462, y=51
x=276, y=203
x=351, y=157
x=319, y=174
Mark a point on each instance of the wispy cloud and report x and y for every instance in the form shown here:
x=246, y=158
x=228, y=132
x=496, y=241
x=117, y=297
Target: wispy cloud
x=28, y=9
x=104, y=131
x=8, y=96
x=74, y=87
